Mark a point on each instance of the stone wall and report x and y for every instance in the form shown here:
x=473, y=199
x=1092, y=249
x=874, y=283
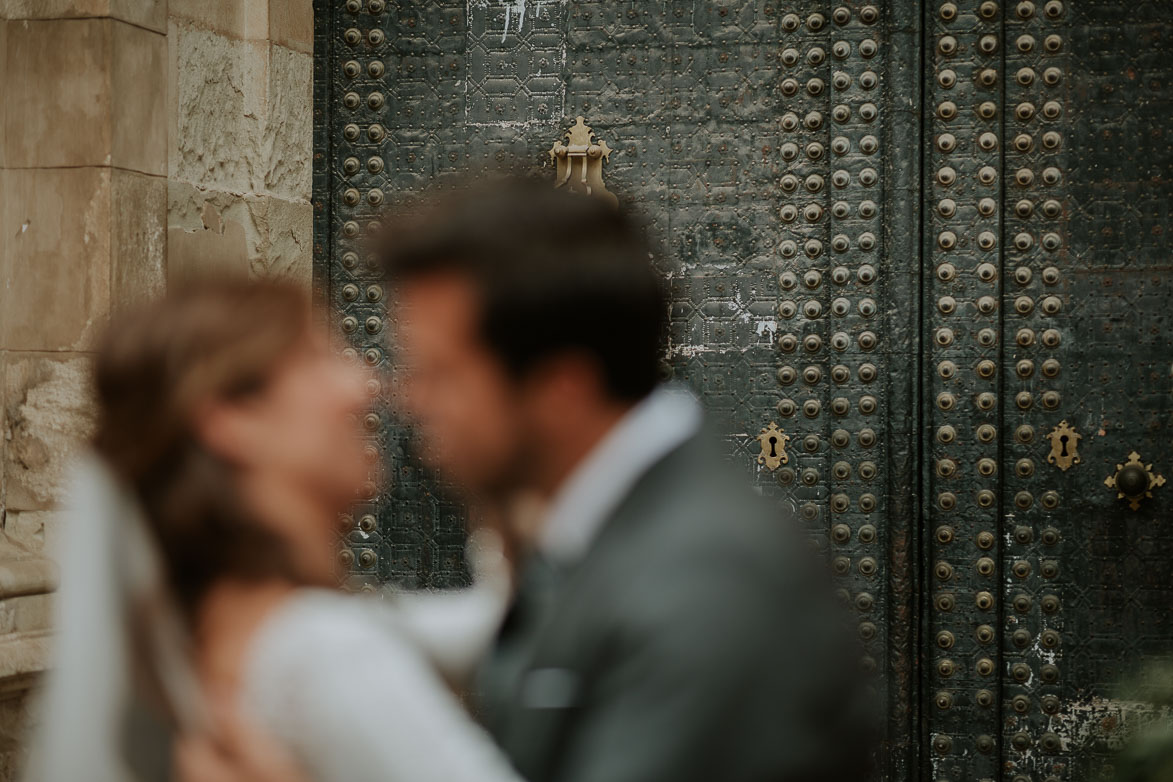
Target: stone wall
x=140, y=141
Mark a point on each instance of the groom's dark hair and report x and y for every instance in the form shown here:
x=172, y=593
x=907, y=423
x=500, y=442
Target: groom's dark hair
x=554, y=271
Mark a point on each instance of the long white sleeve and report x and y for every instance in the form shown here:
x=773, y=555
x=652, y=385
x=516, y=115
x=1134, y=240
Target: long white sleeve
x=338, y=681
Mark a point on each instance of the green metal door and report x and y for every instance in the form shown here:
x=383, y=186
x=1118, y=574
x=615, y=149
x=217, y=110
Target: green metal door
x=923, y=241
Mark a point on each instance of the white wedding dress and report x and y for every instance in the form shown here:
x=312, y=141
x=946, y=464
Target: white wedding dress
x=352, y=686
x=344, y=683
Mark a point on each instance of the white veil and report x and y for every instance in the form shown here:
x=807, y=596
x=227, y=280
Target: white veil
x=112, y=593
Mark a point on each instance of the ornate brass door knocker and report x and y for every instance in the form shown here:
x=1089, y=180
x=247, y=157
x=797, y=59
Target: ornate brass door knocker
x=579, y=162
x=773, y=441
x=1134, y=481
x=1064, y=446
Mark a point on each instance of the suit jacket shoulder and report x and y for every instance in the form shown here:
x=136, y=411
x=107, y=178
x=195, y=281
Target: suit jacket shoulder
x=692, y=515
x=673, y=646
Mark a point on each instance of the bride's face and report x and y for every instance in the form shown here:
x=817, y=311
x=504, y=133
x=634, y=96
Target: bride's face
x=298, y=448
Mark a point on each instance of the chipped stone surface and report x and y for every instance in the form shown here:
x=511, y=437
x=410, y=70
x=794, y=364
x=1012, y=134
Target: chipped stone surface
x=48, y=415
x=218, y=104
x=33, y=532
x=139, y=237
x=241, y=159
x=212, y=231
x=25, y=614
x=290, y=248
x=192, y=207
x=289, y=130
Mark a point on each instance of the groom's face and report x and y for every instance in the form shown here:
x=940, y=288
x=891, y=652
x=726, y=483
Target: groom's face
x=466, y=409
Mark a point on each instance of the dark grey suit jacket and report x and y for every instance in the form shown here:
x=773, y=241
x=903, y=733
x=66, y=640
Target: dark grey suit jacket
x=696, y=642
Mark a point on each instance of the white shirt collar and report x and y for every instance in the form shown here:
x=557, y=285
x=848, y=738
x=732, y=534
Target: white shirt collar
x=585, y=500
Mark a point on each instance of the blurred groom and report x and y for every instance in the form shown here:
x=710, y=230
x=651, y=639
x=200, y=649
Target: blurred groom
x=669, y=625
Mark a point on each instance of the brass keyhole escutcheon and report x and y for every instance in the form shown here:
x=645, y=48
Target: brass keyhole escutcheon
x=1134, y=481
x=773, y=443
x=1064, y=446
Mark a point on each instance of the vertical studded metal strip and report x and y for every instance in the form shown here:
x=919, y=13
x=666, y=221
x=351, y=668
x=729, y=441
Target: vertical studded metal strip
x=380, y=104
x=858, y=470
x=1033, y=208
x=962, y=339
x=804, y=334
x=344, y=217
x=833, y=373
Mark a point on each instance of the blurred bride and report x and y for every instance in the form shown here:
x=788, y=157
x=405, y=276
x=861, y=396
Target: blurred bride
x=201, y=562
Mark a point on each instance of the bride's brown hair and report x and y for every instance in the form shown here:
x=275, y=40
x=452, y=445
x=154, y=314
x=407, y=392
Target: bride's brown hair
x=206, y=341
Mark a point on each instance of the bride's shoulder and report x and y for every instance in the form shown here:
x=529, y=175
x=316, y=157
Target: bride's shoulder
x=311, y=666
x=317, y=603
x=308, y=649
x=315, y=622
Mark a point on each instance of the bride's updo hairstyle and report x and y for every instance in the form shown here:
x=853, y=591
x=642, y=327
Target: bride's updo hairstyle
x=210, y=340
